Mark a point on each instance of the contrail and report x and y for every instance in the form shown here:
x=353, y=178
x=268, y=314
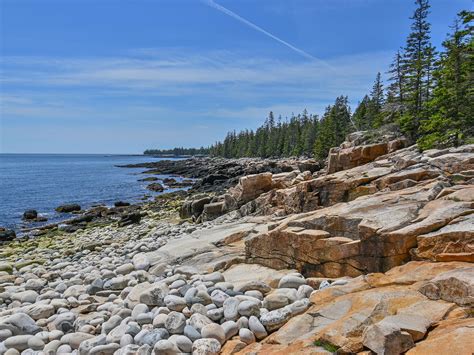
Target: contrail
x=259, y=29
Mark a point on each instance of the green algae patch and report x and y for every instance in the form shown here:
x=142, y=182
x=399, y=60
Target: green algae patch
x=20, y=265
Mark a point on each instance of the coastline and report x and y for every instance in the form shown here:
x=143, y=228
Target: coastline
x=254, y=254
x=41, y=183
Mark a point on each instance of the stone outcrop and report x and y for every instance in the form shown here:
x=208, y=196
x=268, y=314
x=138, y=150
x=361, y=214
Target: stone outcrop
x=373, y=255
x=216, y=175
x=403, y=206
x=363, y=147
x=384, y=313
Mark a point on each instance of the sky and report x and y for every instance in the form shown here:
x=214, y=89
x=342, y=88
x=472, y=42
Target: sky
x=121, y=76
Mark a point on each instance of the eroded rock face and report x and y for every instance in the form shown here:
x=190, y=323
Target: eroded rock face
x=385, y=313
x=399, y=208
x=373, y=233
x=347, y=158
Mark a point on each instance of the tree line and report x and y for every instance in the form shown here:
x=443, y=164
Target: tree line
x=429, y=96
x=177, y=151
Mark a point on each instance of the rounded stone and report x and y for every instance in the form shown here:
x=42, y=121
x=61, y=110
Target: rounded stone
x=231, y=328
x=257, y=328
x=275, y=301
x=218, y=297
x=165, y=347
x=160, y=320
x=175, y=303
x=175, y=323
x=231, y=311
x=139, y=309
x=184, y=344
x=191, y=333
x=206, y=347
x=304, y=291
x=214, y=331
x=246, y=336
x=290, y=281
x=249, y=308
x=216, y=314
x=198, y=321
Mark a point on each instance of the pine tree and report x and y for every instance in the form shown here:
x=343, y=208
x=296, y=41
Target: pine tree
x=361, y=114
x=417, y=63
x=335, y=125
x=377, y=101
x=452, y=121
x=394, y=104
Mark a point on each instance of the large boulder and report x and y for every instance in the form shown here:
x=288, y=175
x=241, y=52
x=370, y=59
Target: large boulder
x=194, y=207
x=213, y=210
x=156, y=186
x=7, y=234
x=129, y=218
x=453, y=286
x=363, y=147
x=251, y=186
x=68, y=208
x=30, y=215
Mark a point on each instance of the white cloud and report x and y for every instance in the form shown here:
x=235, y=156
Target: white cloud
x=211, y=70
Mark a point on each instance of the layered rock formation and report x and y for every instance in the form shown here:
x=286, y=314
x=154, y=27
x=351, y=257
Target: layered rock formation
x=372, y=255
x=388, y=313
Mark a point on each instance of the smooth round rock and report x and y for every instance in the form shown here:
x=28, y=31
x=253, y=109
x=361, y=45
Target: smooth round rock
x=248, y=308
x=175, y=303
x=214, y=331
x=246, y=336
x=275, y=301
x=231, y=328
x=183, y=343
x=290, y=281
x=165, y=347
x=230, y=306
x=175, y=323
x=206, y=347
x=257, y=328
x=160, y=320
x=191, y=333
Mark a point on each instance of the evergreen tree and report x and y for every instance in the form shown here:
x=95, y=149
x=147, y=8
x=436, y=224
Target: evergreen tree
x=335, y=125
x=451, y=120
x=416, y=65
x=377, y=100
x=361, y=116
x=395, y=101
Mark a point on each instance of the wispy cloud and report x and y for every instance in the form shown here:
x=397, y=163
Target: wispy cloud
x=204, y=71
x=252, y=25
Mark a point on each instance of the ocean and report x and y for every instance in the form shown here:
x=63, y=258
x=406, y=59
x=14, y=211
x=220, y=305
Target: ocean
x=45, y=181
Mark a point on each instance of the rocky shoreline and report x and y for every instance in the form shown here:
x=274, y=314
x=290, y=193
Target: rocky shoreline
x=371, y=253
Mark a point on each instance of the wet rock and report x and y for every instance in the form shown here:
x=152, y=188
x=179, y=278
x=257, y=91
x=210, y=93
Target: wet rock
x=156, y=186
x=121, y=204
x=6, y=234
x=30, y=214
x=130, y=218
x=68, y=208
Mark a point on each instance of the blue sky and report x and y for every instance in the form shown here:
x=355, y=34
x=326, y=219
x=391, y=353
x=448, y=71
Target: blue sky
x=110, y=76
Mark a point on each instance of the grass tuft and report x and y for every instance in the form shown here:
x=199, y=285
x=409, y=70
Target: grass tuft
x=326, y=345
